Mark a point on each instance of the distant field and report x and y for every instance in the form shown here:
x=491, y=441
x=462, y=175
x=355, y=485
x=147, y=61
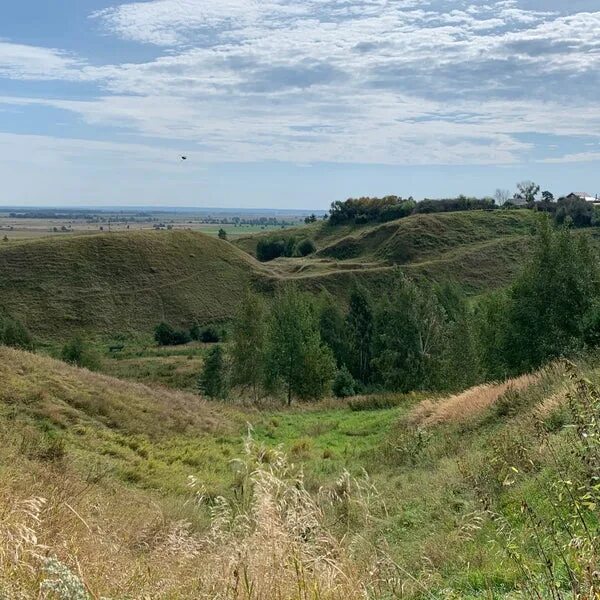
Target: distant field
x=21, y=229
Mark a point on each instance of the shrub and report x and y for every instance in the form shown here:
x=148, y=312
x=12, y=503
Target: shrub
x=213, y=380
x=14, y=334
x=577, y=211
x=165, y=335
x=210, y=335
x=269, y=249
x=76, y=352
x=306, y=247
x=344, y=384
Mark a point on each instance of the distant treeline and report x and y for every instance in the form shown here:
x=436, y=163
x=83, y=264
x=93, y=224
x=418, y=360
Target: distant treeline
x=371, y=210
x=359, y=211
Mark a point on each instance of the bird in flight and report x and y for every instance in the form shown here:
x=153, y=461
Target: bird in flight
x=184, y=158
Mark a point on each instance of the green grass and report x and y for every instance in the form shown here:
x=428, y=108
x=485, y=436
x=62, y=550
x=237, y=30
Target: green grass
x=431, y=483
x=122, y=283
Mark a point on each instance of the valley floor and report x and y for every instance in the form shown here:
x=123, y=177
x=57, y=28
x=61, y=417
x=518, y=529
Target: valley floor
x=112, y=489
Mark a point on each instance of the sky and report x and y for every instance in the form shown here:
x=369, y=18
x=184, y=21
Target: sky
x=295, y=103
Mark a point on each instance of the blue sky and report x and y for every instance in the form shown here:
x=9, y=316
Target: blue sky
x=293, y=104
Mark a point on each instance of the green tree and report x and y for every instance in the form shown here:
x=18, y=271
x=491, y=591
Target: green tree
x=296, y=358
x=165, y=335
x=527, y=191
x=332, y=326
x=222, y=234
x=460, y=367
x=360, y=325
x=411, y=338
x=248, y=347
x=549, y=303
x=213, y=379
x=547, y=196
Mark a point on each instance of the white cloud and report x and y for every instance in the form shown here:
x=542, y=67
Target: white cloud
x=395, y=82
x=20, y=61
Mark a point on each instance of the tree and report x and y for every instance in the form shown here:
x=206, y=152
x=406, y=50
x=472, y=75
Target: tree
x=547, y=196
x=360, y=326
x=550, y=301
x=222, y=234
x=248, y=347
x=527, y=191
x=501, y=196
x=576, y=211
x=213, y=379
x=165, y=335
x=332, y=327
x=411, y=337
x=296, y=357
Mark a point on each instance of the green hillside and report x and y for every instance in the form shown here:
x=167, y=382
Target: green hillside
x=125, y=283
x=121, y=283
x=447, y=497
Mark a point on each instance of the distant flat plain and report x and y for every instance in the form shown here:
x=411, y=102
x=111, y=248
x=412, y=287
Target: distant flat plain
x=19, y=228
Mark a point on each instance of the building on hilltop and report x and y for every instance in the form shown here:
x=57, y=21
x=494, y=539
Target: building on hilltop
x=583, y=196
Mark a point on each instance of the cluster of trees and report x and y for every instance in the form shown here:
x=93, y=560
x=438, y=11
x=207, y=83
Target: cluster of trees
x=359, y=211
x=273, y=247
x=416, y=336
x=369, y=210
x=167, y=335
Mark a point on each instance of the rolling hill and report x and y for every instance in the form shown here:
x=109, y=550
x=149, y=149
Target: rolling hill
x=121, y=283
x=125, y=283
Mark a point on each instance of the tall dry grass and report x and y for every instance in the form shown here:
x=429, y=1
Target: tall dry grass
x=271, y=541
x=468, y=404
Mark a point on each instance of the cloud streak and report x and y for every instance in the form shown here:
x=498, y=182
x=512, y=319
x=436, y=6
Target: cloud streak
x=403, y=82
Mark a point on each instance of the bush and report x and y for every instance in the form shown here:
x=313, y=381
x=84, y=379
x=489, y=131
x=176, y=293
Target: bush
x=14, y=334
x=76, y=352
x=210, y=335
x=306, y=247
x=165, y=335
x=344, y=384
x=270, y=249
x=213, y=380
x=577, y=211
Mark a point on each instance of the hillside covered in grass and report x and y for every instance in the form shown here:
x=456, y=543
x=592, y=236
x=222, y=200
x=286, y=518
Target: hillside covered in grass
x=125, y=283
x=112, y=489
x=121, y=283
x=479, y=250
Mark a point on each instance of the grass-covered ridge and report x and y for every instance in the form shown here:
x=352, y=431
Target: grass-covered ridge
x=121, y=283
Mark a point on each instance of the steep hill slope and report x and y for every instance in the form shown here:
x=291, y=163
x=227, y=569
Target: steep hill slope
x=123, y=282
x=479, y=250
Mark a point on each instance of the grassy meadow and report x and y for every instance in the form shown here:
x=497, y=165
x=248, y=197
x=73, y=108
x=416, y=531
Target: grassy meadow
x=142, y=492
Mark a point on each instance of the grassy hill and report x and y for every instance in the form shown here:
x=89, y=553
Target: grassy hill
x=125, y=283
x=426, y=496
x=121, y=283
